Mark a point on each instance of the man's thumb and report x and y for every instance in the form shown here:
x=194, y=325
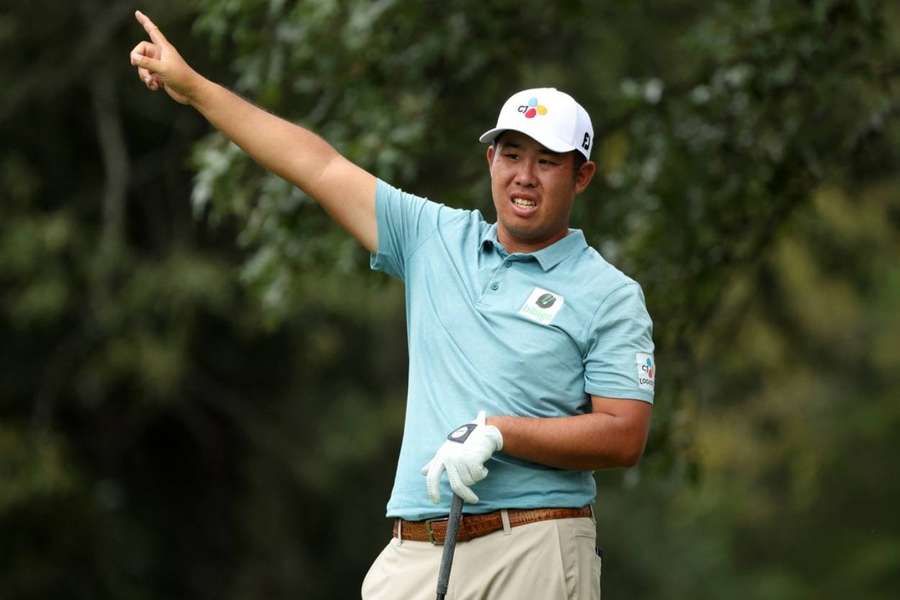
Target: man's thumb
x=151, y=64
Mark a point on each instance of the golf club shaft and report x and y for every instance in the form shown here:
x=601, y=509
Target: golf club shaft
x=449, y=546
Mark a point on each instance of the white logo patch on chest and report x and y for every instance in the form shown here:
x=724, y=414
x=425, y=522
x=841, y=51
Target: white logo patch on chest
x=542, y=306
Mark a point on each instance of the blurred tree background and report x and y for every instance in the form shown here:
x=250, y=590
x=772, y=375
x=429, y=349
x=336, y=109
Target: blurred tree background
x=203, y=389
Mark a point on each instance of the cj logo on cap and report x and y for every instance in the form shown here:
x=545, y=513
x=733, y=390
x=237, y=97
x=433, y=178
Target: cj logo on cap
x=532, y=109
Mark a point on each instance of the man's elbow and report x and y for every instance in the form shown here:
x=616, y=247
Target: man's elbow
x=632, y=456
x=631, y=452
x=634, y=442
x=622, y=457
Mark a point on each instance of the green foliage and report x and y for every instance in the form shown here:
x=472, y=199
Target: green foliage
x=32, y=468
x=796, y=465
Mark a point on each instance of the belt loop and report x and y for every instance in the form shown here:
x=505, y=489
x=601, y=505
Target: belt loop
x=400, y=531
x=593, y=516
x=504, y=516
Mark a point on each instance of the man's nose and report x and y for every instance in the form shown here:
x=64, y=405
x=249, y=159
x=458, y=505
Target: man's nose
x=525, y=173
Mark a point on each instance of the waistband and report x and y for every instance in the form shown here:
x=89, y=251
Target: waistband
x=474, y=526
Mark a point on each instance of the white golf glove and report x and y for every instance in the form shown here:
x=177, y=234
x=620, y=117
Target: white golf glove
x=463, y=456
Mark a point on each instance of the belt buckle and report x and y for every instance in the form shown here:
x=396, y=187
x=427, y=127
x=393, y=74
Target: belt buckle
x=430, y=531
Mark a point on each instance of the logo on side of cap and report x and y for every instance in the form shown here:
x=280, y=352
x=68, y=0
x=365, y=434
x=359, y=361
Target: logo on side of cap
x=532, y=109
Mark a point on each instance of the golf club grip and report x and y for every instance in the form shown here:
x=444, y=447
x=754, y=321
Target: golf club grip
x=449, y=546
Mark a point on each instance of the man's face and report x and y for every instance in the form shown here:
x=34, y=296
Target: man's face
x=533, y=190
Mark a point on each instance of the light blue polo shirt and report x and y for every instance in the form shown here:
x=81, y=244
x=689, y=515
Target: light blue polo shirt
x=511, y=334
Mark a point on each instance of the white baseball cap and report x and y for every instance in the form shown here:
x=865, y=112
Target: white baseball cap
x=553, y=118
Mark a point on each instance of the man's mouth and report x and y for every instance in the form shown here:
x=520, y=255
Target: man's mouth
x=525, y=203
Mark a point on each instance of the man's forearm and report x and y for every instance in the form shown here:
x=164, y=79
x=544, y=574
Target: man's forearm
x=296, y=154
x=582, y=442
x=286, y=149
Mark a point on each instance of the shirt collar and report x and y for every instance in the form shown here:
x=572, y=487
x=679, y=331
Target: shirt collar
x=547, y=257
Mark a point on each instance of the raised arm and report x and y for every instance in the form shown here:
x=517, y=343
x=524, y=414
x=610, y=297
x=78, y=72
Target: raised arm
x=344, y=190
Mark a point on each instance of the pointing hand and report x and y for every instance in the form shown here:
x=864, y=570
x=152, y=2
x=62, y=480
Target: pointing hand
x=160, y=65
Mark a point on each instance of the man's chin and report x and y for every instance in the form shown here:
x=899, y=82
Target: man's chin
x=534, y=239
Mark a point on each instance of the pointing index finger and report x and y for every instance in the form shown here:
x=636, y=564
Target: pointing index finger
x=152, y=30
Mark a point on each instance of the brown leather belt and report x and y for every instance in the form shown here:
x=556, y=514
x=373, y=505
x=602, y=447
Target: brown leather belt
x=473, y=526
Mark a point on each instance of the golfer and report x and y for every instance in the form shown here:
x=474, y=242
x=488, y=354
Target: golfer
x=530, y=357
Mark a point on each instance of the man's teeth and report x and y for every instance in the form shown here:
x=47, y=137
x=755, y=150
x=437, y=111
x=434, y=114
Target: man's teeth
x=523, y=203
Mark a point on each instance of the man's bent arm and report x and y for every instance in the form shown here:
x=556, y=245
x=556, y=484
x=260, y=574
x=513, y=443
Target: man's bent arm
x=613, y=435
x=344, y=190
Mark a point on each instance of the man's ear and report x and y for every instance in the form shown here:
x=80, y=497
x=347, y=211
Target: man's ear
x=490, y=155
x=584, y=175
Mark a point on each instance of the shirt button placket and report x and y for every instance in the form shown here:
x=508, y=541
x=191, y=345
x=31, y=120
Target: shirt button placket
x=498, y=275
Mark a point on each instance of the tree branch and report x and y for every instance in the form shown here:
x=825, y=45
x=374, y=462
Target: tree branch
x=49, y=82
x=115, y=159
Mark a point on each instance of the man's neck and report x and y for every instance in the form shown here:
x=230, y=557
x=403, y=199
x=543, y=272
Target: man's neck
x=514, y=246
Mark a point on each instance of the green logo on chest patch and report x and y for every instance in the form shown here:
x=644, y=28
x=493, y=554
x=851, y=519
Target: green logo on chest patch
x=546, y=300
x=542, y=306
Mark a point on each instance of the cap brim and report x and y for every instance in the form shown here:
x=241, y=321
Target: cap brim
x=490, y=135
x=555, y=145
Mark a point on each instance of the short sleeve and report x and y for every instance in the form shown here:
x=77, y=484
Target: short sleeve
x=405, y=221
x=619, y=361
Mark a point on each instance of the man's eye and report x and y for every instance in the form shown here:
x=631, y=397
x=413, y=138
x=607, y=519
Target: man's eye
x=511, y=155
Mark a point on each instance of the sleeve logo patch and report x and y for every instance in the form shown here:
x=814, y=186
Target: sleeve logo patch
x=542, y=306
x=646, y=371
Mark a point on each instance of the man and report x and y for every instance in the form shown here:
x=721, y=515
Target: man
x=518, y=324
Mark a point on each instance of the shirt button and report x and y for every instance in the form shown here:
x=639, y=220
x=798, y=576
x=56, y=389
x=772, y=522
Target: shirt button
x=495, y=286
x=508, y=265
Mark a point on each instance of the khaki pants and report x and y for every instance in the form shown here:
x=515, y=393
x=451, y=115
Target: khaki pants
x=548, y=560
